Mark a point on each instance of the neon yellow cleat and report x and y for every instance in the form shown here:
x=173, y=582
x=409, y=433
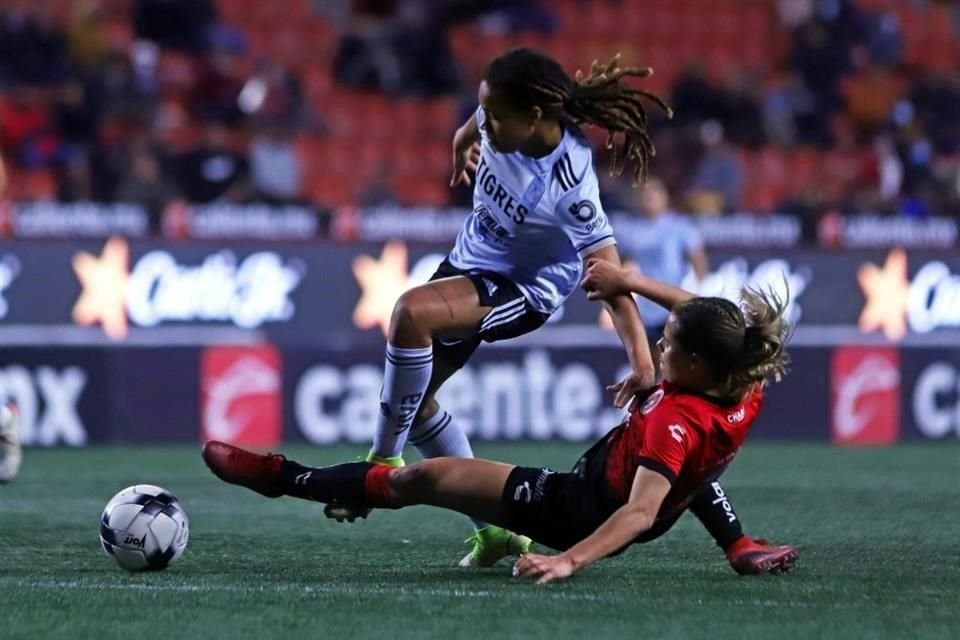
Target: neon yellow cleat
x=491, y=543
x=348, y=513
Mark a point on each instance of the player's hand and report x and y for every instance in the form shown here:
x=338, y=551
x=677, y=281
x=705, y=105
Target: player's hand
x=605, y=280
x=632, y=388
x=464, y=161
x=543, y=568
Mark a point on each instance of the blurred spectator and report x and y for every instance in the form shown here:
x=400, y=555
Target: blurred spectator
x=694, y=98
x=86, y=39
x=27, y=133
x=719, y=173
x=146, y=185
x=273, y=96
x=73, y=180
x=275, y=167
x=32, y=50
x=178, y=24
x=217, y=90
x=662, y=245
x=934, y=99
x=212, y=170
x=884, y=38
x=870, y=98
x=123, y=93
x=378, y=191
x=397, y=47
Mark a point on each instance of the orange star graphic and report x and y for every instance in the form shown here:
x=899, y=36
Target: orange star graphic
x=381, y=282
x=104, y=282
x=886, y=291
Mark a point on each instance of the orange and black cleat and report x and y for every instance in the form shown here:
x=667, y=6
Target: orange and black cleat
x=260, y=473
x=749, y=557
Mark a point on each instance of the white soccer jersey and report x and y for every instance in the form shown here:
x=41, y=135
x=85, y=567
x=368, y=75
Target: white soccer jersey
x=534, y=219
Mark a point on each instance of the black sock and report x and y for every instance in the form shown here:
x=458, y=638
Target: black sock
x=712, y=506
x=342, y=483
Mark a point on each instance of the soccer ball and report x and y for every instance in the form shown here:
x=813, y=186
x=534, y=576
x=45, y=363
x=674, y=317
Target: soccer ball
x=144, y=528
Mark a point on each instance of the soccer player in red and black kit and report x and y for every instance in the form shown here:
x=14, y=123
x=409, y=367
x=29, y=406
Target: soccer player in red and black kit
x=630, y=487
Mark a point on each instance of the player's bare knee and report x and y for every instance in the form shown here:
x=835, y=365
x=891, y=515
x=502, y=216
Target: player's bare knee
x=407, y=326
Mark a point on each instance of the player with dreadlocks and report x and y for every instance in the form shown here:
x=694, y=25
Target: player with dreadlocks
x=536, y=219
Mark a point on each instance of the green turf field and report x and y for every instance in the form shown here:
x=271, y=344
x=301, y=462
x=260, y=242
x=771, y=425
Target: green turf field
x=879, y=533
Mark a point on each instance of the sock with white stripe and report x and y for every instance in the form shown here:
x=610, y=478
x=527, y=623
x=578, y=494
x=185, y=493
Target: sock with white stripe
x=405, y=378
x=438, y=437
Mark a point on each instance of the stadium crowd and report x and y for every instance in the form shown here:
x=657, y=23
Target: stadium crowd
x=797, y=106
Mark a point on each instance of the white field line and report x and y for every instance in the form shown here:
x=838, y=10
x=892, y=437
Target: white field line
x=406, y=591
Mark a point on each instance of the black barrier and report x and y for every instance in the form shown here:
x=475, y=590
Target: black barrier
x=931, y=394
x=259, y=395
x=335, y=296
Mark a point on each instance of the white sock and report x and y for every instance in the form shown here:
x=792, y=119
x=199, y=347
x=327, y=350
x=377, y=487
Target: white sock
x=406, y=375
x=439, y=437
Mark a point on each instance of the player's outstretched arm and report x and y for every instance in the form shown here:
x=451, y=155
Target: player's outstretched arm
x=626, y=320
x=466, y=151
x=648, y=492
x=604, y=279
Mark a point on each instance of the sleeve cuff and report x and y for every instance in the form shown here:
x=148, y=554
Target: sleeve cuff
x=659, y=467
x=592, y=246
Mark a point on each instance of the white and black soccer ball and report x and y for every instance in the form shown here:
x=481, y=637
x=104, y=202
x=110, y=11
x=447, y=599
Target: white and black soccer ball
x=144, y=528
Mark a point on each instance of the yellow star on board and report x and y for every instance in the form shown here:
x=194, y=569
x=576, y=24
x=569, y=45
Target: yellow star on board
x=104, y=283
x=381, y=283
x=886, y=290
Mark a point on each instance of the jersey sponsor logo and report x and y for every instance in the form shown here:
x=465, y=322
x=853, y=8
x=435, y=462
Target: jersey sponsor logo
x=723, y=501
x=584, y=211
x=737, y=416
x=240, y=395
x=677, y=432
x=651, y=403
x=866, y=395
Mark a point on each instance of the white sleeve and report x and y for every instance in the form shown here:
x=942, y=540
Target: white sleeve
x=481, y=117
x=582, y=218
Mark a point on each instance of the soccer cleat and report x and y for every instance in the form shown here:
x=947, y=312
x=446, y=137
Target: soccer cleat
x=11, y=454
x=748, y=557
x=349, y=513
x=260, y=473
x=491, y=543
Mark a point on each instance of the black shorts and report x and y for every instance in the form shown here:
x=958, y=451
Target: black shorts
x=511, y=315
x=558, y=510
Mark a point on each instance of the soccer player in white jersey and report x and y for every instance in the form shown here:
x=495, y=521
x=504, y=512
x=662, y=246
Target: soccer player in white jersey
x=536, y=219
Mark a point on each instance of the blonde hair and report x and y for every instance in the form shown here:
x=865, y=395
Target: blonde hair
x=743, y=344
x=764, y=356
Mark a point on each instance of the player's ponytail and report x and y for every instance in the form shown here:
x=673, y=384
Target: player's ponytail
x=763, y=356
x=743, y=345
x=528, y=78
